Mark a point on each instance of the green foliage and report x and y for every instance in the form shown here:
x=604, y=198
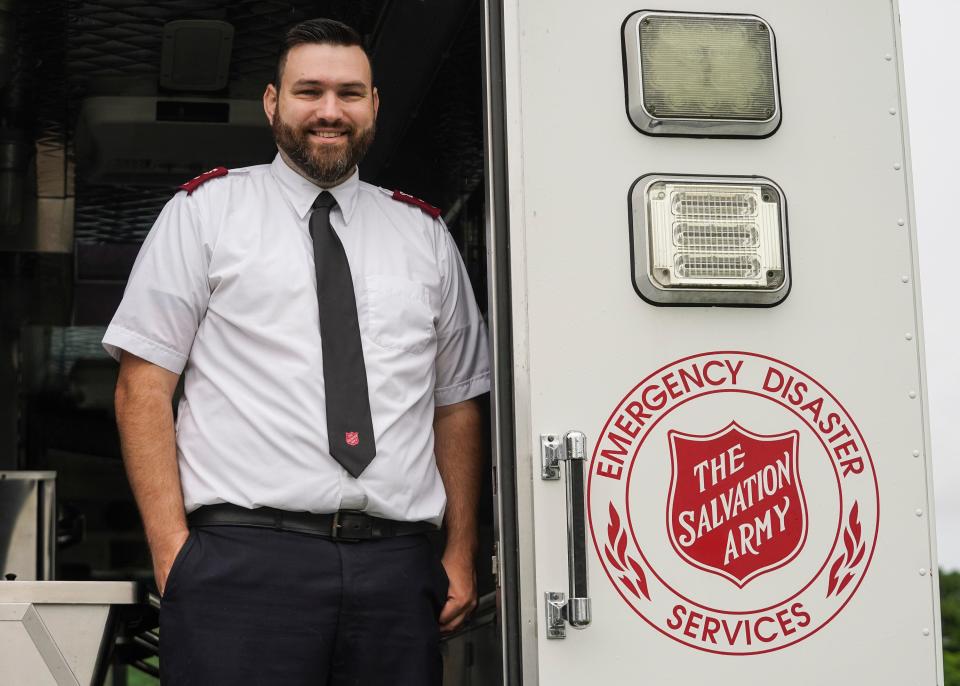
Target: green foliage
x=950, y=621
x=137, y=678
x=951, y=669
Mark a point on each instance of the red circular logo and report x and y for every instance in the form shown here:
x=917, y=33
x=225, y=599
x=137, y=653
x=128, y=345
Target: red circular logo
x=733, y=503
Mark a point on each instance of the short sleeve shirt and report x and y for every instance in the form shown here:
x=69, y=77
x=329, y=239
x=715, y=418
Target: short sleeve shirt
x=224, y=290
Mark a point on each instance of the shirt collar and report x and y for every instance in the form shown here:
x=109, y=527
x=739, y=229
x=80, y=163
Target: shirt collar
x=302, y=192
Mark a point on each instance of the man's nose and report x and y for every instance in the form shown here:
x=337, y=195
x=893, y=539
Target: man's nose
x=328, y=108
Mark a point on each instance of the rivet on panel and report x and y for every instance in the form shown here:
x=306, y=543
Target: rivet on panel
x=892, y=110
x=918, y=512
x=897, y=166
x=905, y=278
x=916, y=453
x=909, y=336
x=923, y=572
x=901, y=222
x=926, y=632
x=912, y=394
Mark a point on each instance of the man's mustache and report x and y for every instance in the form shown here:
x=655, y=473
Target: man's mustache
x=346, y=128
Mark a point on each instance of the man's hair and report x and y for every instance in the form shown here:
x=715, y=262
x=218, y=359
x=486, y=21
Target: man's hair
x=318, y=32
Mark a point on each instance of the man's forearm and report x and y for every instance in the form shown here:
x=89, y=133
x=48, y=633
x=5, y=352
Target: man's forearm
x=148, y=441
x=460, y=461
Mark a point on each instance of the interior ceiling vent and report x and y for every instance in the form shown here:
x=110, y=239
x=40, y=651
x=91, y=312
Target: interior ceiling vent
x=149, y=140
x=195, y=55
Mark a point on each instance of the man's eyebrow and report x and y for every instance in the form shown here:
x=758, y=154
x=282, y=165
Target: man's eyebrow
x=316, y=82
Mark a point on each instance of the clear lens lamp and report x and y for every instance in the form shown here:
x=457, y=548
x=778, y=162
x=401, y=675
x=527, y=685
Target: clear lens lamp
x=710, y=241
x=701, y=74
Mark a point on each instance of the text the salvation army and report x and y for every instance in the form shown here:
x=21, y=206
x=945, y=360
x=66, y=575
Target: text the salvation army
x=742, y=494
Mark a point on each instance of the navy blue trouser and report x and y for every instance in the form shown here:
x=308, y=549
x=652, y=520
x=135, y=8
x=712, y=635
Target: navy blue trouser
x=261, y=607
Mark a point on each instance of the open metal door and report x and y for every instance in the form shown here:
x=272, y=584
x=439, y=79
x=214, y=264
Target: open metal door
x=754, y=499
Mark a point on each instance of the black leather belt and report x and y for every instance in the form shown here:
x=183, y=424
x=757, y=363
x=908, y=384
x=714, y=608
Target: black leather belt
x=346, y=525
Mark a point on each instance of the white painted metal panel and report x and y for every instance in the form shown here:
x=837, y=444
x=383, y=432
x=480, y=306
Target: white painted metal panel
x=850, y=328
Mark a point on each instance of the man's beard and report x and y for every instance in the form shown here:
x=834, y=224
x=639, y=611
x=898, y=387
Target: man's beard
x=324, y=164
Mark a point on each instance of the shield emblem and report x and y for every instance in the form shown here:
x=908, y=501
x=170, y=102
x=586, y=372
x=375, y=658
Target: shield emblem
x=736, y=505
x=353, y=438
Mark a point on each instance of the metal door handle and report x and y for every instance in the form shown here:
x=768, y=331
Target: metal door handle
x=575, y=607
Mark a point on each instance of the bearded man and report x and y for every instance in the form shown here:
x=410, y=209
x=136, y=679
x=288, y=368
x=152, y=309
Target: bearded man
x=331, y=349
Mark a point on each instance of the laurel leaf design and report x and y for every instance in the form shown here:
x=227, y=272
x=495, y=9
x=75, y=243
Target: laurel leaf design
x=612, y=559
x=843, y=584
x=622, y=547
x=629, y=584
x=616, y=554
x=858, y=556
x=851, y=556
x=641, y=577
x=614, y=526
x=854, y=520
x=833, y=575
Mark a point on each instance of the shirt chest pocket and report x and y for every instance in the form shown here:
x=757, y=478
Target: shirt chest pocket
x=398, y=313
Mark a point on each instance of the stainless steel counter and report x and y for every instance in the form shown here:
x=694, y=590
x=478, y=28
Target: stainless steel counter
x=69, y=592
x=27, y=524
x=58, y=632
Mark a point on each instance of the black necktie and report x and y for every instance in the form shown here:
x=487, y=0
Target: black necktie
x=349, y=426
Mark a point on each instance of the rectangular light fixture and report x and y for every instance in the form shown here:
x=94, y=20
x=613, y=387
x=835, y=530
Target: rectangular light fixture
x=701, y=74
x=709, y=240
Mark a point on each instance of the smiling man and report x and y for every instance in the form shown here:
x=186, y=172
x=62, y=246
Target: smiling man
x=329, y=117
x=331, y=348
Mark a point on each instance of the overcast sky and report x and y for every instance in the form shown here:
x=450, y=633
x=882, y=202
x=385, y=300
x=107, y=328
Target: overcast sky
x=933, y=107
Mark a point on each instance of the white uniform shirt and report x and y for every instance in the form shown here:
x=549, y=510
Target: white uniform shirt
x=225, y=287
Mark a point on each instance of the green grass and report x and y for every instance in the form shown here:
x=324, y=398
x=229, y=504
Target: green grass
x=137, y=678
x=950, y=621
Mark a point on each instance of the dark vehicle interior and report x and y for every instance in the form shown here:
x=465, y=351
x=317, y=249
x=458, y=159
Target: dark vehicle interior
x=106, y=107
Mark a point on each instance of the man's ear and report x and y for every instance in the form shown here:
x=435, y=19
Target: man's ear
x=376, y=102
x=270, y=102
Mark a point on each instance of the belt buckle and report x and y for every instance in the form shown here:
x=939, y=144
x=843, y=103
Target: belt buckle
x=335, y=529
x=338, y=525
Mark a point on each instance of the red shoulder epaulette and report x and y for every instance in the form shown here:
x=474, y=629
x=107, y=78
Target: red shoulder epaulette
x=195, y=183
x=423, y=205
